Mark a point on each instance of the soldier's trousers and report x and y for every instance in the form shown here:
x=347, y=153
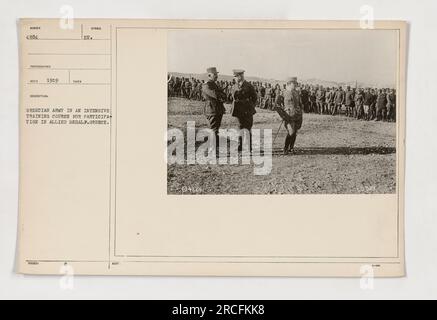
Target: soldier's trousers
x=335, y=108
x=292, y=128
x=319, y=106
x=350, y=110
x=247, y=124
x=381, y=113
x=215, y=121
x=391, y=115
x=267, y=102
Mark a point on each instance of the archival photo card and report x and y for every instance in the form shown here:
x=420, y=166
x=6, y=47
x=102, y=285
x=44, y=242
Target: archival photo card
x=212, y=148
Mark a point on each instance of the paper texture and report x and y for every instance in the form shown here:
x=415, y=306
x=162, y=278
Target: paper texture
x=97, y=195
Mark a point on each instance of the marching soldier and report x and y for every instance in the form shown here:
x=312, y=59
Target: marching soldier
x=294, y=109
x=214, y=97
x=244, y=101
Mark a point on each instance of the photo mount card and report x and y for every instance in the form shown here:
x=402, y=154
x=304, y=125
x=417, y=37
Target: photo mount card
x=212, y=148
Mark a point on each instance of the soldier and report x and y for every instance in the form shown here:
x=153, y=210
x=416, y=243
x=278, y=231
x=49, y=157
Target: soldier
x=279, y=102
x=214, y=97
x=170, y=86
x=277, y=92
x=381, y=106
x=328, y=97
x=359, y=101
x=193, y=89
x=372, y=111
x=294, y=109
x=261, y=95
x=177, y=87
x=183, y=90
x=268, y=102
x=320, y=97
x=313, y=100
x=199, y=90
x=244, y=101
x=273, y=97
x=391, y=105
x=349, y=102
x=338, y=100
x=304, y=97
x=330, y=100
x=191, y=92
x=368, y=101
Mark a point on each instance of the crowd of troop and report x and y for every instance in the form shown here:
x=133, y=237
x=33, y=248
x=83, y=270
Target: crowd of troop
x=377, y=104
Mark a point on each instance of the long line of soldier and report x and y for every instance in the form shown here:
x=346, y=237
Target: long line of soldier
x=377, y=104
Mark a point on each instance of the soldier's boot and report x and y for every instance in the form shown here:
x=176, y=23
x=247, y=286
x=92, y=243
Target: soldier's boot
x=217, y=145
x=241, y=142
x=292, y=140
x=287, y=144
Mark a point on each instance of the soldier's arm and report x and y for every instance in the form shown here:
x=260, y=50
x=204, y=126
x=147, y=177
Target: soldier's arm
x=208, y=92
x=221, y=94
x=253, y=95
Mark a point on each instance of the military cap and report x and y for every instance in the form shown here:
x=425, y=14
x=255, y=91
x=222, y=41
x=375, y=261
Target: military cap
x=291, y=79
x=212, y=70
x=237, y=71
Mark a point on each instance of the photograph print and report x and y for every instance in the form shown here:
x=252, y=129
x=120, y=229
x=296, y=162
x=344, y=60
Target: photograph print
x=282, y=111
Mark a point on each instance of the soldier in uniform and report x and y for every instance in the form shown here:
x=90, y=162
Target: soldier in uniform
x=244, y=101
x=391, y=105
x=381, y=106
x=349, y=102
x=304, y=97
x=359, y=104
x=368, y=100
x=294, y=109
x=268, y=97
x=170, y=85
x=261, y=95
x=338, y=100
x=374, y=93
x=214, y=97
x=320, y=99
x=328, y=96
x=280, y=98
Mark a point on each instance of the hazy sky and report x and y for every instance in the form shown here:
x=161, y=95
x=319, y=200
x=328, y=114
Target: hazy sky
x=368, y=56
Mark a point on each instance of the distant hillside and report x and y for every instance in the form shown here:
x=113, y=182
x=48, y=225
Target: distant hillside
x=312, y=81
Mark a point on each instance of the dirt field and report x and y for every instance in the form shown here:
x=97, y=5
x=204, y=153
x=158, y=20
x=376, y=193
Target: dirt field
x=334, y=154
